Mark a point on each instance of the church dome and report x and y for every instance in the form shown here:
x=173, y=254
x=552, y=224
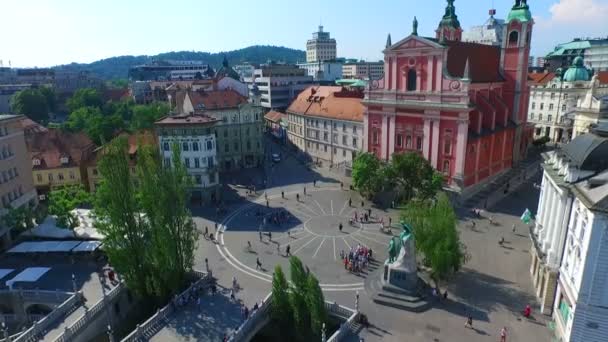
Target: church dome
x=577, y=72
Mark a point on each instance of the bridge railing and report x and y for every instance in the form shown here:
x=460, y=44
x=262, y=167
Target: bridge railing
x=252, y=323
x=350, y=315
x=142, y=331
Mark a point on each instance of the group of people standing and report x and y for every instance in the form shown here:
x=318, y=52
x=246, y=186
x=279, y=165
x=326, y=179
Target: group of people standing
x=356, y=259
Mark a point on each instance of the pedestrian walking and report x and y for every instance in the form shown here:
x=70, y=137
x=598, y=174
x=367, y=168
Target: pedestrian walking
x=269, y=236
x=288, y=250
x=232, y=297
x=350, y=202
x=369, y=212
x=282, y=194
x=362, y=204
x=298, y=197
x=207, y=265
x=278, y=248
x=390, y=221
x=341, y=185
x=503, y=334
x=258, y=263
x=340, y=227
x=304, y=191
x=206, y=232
x=216, y=227
x=469, y=322
x=267, y=204
x=314, y=183
x=513, y=227
x=260, y=234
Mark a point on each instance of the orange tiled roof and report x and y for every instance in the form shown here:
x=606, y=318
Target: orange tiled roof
x=330, y=102
x=32, y=127
x=602, y=76
x=216, y=99
x=145, y=137
x=274, y=116
x=540, y=77
x=52, y=145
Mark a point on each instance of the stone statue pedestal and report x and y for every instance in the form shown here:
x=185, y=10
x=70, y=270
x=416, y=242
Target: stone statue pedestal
x=399, y=277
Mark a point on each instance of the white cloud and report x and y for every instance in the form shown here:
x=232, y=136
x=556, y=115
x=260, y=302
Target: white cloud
x=586, y=13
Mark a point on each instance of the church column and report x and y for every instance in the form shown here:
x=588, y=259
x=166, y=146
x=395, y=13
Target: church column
x=557, y=233
x=383, y=135
x=394, y=74
x=426, y=146
x=435, y=144
x=461, y=147
x=391, y=135
x=429, y=74
x=439, y=71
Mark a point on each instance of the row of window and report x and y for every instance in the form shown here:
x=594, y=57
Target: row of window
x=540, y=117
x=408, y=142
x=60, y=176
x=7, y=152
x=334, y=138
x=315, y=123
x=194, y=146
x=236, y=146
x=237, y=131
x=8, y=175
x=325, y=149
x=9, y=197
x=542, y=106
x=196, y=162
x=409, y=139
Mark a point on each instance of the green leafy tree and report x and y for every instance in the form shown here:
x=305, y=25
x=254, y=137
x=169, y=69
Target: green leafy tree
x=91, y=121
x=122, y=108
x=410, y=175
x=437, y=240
x=150, y=236
x=144, y=116
x=31, y=103
x=316, y=306
x=51, y=98
x=21, y=219
x=127, y=232
x=281, y=311
x=84, y=97
x=367, y=174
x=301, y=315
x=63, y=200
x=118, y=83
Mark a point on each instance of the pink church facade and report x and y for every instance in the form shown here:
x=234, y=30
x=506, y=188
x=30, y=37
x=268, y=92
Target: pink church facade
x=461, y=105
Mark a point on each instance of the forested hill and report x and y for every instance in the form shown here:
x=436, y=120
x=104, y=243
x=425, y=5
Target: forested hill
x=118, y=67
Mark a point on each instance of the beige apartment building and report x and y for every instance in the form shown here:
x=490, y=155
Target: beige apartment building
x=16, y=188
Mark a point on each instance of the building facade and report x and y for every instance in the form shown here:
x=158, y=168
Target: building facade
x=327, y=71
x=239, y=129
x=490, y=33
x=58, y=158
x=276, y=125
x=554, y=96
x=594, y=52
x=321, y=47
x=590, y=111
x=16, y=186
x=463, y=106
x=195, y=137
x=277, y=84
x=569, y=241
x=326, y=123
x=363, y=70
x=171, y=70
x=6, y=92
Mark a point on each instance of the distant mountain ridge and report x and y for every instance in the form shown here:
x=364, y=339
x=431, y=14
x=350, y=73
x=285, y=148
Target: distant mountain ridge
x=118, y=67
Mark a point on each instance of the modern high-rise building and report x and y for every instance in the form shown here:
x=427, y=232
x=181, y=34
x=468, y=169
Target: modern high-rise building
x=321, y=47
x=277, y=84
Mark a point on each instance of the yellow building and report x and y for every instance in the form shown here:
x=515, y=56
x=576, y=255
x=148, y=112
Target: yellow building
x=58, y=159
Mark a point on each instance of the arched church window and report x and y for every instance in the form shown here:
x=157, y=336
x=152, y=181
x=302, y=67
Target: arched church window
x=411, y=80
x=513, y=37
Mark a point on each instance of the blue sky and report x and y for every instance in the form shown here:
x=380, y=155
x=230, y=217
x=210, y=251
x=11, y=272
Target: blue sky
x=49, y=32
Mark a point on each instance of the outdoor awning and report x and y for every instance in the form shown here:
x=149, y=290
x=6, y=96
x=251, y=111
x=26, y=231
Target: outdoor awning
x=30, y=274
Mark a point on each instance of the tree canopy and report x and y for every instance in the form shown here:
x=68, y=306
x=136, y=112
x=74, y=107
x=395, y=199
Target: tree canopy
x=33, y=103
x=367, y=174
x=437, y=240
x=63, y=200
x=410, y=175
x=150, y=236
x=90, y=120
x=84, y=97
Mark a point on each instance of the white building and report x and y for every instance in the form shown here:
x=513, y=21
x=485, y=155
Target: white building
x=490, y=33
x=321, y=47
x=363, y=70
x=277, y=84
x=591, y=110
x=570, y=238
x=327, y=71
x=554, y=95
x=195, y=136
x=327, y=124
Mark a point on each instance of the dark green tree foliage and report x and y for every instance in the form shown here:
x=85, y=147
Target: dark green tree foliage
x=85, y=97
x=437, y=240
x=410, y=175
x=301, y=315
x=21, y=219
x=144, y=116
x=316, y=306
x=31, y=103
x=367, y=174
x=281, y=312
x=51, y=98
x=63, y=200
x=150, y=236
x=94, y=124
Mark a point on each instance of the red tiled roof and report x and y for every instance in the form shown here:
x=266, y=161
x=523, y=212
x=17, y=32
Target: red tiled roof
x=602, y=76
x=54, y=144
x=115, y=94
x=274, y=116
x=145, y=137
x=329, y=102
x=217, y=99
x=484, y=61
x=31, y=127
x=186, y=120
x=540, y=77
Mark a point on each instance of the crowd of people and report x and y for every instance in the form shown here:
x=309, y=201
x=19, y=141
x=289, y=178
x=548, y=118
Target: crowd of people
x=357, y=259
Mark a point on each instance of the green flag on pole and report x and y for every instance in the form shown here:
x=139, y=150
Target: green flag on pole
x=526, y=216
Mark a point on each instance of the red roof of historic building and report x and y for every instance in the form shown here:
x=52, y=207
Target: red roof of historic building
x=484, y=61
x=602, y=76
x=274, y=116
x=538, y=78
x=217, y=99
x=51, y=146
x=115, y=94
x=330, y=102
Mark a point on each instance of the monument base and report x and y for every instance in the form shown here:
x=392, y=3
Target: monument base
x=400, y=278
